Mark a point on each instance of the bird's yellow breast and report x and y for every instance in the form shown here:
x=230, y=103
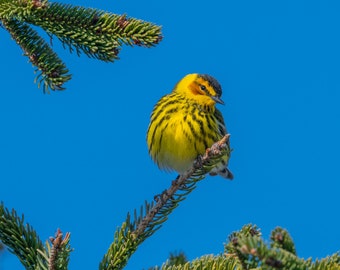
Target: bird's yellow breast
x=179, y=131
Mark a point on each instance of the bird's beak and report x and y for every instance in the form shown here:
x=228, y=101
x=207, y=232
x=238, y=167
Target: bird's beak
x=217, y=100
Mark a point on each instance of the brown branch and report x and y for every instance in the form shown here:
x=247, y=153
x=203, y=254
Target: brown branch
x=162, y=199
x=57, y=242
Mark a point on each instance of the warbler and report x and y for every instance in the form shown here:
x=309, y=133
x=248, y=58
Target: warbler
x=185, y=123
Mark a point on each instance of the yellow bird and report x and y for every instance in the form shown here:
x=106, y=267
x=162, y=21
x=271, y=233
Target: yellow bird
x=185, y=123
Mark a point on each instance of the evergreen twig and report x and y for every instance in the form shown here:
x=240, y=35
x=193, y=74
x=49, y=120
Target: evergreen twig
x=96, y=33
x=53, y=72
x=58, y=250
x=179, y=184
x=21, y=239
x=133, y=232
x=247, y=250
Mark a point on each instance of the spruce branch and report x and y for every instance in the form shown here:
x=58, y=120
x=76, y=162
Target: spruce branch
x=281, y=239
x=53, y=73
x=207, y=262
x=251, y=251
x=21, y=239
x=257, y=251
x=232, y=248
x=247, y=250
x=59, y=251
x=151, y=217
x=184, y=184
x=96, y=33
x=330, y=262
x=177, y=258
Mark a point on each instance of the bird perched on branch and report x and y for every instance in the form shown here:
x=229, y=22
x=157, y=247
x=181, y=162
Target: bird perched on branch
x=185, y=123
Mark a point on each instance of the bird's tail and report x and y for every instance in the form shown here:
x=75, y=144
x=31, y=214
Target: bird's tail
x=225, y=173
x=222, y=170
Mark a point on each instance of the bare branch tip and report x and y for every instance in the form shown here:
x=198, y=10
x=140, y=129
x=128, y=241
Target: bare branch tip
x=224, y=140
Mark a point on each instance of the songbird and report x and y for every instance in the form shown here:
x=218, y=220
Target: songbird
x=185, y=123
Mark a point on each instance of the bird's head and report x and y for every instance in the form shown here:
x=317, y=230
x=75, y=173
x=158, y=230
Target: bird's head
x=202, y=88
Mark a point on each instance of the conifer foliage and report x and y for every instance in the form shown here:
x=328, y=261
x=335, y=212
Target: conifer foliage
x=95, y=33
x=245, y=249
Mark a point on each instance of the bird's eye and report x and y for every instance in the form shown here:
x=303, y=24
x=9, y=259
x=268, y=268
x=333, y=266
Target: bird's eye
x=203, y=88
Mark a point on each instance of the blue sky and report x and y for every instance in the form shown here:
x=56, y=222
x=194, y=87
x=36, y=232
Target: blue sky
x=77, y=159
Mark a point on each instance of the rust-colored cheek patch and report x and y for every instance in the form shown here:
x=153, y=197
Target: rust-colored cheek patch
x=194, y=88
